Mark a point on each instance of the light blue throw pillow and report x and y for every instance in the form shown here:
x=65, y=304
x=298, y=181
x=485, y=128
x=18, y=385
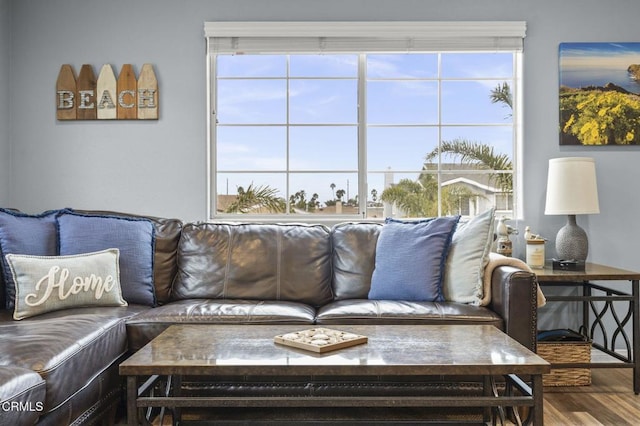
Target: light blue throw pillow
x=468, y=257
x=25, y=234
x=410, y=258
x=135, y=238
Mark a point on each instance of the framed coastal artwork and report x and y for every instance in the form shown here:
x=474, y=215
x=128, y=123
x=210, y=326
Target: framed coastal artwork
x=599, y=94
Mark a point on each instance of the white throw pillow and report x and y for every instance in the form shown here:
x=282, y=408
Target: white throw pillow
x=51, y=283
x=468, y=256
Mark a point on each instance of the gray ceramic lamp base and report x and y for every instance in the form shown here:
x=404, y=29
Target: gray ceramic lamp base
x=571, y=241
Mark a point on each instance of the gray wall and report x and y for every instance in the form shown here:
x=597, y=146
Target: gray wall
x=159, y=167
x=4, y=102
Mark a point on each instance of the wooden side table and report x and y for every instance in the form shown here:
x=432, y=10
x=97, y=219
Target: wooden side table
x=609, y=311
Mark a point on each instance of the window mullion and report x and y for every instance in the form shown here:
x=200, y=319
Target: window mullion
x=363, y=187
x=439, y=170
x=288, y=142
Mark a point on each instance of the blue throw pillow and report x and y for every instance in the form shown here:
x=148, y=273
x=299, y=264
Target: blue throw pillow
x=410, y=259
x=25, y=234
x=134, y=237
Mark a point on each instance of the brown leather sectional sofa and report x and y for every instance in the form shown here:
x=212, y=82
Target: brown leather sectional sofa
x=62, y=367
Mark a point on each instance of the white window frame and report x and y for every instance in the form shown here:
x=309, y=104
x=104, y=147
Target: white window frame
x=357, y=37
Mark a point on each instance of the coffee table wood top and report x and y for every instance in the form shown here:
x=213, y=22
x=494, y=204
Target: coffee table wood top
x=190, y=349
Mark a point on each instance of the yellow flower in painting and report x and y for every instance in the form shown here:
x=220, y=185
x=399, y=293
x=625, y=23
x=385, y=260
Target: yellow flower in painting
x=630, y=136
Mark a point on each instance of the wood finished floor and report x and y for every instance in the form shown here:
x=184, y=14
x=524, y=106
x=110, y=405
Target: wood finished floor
x=608, y=401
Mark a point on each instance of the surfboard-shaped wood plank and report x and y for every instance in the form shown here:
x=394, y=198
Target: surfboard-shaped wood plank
x=147, y=94
x=86, y=93
x=107, y=94
x=66, y=93
x=127, y=106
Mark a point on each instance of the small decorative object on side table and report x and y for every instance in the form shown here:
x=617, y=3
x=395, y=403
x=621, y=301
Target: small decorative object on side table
x=534, y=249
x=503, y=231
x=608, y=312
x=568, y=265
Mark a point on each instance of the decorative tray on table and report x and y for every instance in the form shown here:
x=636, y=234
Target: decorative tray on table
x=320, y=339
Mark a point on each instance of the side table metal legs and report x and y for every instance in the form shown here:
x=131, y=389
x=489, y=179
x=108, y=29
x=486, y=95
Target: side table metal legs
x=606, y=312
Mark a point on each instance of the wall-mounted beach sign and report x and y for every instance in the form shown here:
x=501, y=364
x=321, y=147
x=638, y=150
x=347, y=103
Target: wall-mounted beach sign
x=599, y=93
x=107, y=97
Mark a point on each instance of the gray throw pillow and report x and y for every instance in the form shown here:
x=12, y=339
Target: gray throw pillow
x=467, y=258
x=51, y=283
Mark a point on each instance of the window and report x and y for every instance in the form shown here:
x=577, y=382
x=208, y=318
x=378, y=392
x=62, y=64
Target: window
x=363, y=120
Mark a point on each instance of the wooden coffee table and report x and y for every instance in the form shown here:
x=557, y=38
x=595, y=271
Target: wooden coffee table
x=391, y=351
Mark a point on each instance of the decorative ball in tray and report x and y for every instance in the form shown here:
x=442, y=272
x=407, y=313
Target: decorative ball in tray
x=320, y=339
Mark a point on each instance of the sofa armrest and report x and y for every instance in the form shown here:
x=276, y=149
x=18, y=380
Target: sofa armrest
x=514, y=298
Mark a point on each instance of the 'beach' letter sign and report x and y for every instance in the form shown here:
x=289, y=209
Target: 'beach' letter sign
x=107, y=97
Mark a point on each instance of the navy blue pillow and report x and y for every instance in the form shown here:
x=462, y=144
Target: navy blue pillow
x=25, y=234
x=134, y=237
x=410, y=259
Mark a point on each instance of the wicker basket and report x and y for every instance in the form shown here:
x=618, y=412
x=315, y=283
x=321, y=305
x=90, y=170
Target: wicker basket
x=566, y=352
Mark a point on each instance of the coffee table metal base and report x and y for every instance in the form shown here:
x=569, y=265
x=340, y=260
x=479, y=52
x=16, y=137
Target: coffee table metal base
x=495, y=403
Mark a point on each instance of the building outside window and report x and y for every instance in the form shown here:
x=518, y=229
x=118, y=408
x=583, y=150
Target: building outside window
x=305, y=127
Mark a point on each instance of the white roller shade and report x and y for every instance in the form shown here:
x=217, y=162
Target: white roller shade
x=381, y=37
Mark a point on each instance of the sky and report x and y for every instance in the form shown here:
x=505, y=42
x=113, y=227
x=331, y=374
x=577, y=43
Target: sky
x=599, y=55
x=597, y=64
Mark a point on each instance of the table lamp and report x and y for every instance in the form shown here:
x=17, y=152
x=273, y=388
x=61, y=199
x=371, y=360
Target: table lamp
x=572, y=190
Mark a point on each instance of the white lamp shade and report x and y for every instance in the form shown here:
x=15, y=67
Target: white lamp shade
x=571, y=186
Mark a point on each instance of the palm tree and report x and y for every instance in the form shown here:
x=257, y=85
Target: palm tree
x=313, y=202
x=333, y=188
x=256, y=198
x=502, y=94
x=412, y=197
x=420, y=198
x=481, y=154
x=478, y=154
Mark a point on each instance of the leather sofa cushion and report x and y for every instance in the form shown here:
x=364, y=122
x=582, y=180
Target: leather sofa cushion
x=66, y=348
x=142, y=328
x=91, y=405
x=354, y=255
x=24, y=388
x=405, y=312
x=254, y=261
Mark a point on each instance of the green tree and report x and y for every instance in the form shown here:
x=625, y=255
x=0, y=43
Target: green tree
x=340, y=193
x=374, y=195
x=412, y=197
x=501, y=94
x=256, y=198
x=480, y=155
x=419, y=198
x=313, y=203
x=299, y=200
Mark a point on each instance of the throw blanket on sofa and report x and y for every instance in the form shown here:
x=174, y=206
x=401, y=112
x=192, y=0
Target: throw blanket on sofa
x=496, y=260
